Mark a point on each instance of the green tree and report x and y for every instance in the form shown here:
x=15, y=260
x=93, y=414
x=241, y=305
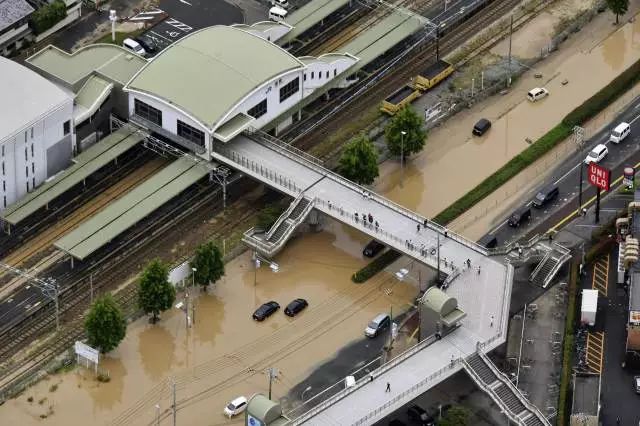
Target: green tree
x=619, y=7
x=47, y=16
x=155, y=292
x=406, y=120
x=105, y=325
x=359, y=161
x=208, y=263
x=455, y=416
x=268, y=216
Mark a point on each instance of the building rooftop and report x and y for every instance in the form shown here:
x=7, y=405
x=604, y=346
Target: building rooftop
x=11, y=11
x=225, y=65
x=113, y=62
x=26, y=96
x=586, y=395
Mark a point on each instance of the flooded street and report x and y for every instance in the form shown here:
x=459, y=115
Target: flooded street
x=454, y=161
x=226, y=353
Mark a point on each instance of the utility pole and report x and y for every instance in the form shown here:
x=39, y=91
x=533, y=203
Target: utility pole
x=510, y=38
x=402, y=134
x=175, y=408
x=438, y=254
x=578, y=137
x=272, y=373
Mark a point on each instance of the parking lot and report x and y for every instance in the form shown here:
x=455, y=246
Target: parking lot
x=184, y=17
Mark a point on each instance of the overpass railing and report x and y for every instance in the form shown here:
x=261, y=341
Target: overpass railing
x=294, y=154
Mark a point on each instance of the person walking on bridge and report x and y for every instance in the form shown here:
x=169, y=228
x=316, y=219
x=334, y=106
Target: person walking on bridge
x=388, y=389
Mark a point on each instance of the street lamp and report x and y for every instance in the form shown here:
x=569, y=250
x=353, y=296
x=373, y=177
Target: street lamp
x=402, y=135
x=257, y=262
x=193, y=277
x=157, y=414
x=305, y=391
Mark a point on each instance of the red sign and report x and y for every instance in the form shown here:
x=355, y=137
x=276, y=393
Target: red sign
x=599, y=176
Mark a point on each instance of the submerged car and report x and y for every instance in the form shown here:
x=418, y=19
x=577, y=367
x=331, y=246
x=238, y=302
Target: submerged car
x=265, y=311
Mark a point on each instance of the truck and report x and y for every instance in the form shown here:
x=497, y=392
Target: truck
x=432, y=75
x=589, y=307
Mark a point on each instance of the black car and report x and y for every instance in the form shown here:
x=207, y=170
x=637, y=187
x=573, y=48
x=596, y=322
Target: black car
x=488, y=241
x=373, y=248
x=148, y=45
x=265, y=311
x=419, y=415
x=295, y=307
x=545, y=196
x=520, y=216
x=481, y=127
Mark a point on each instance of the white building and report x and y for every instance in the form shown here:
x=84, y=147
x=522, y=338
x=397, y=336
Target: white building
x=14, y=24
x=36, y=130
x=219, y=81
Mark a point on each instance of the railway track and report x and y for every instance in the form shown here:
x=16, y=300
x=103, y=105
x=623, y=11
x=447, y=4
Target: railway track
x=340, y=110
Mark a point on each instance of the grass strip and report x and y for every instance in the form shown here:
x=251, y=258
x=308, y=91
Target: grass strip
x=564, y=398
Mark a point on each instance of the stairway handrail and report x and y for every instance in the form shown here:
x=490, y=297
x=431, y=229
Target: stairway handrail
x=284, y=215
x=538, y=268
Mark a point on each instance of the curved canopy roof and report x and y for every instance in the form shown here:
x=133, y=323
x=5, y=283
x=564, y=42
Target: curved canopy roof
x=207, y=73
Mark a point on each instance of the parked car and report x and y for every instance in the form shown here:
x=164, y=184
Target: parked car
x=636, y=383
x=597, y=154
x=419, y=415
x=235, y=407
x=372, y=248
x=481, y=127
x=545, y=196
x=265, y=311
x=134, y=46
x=488, y=241
x=148, y=45
x=537, y=94
x=377, y=325
x=518, y=217
x=295, y=307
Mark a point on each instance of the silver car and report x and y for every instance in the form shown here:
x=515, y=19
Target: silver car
x=377, y=325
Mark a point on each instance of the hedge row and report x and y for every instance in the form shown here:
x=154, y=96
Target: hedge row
x=375, y=266
x=553, y=137
x=564, y=402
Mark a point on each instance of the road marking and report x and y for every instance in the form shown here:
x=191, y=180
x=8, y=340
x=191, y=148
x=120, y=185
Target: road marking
x=595, y=351
x=179, y=25
x=600, y=279
x=161, y=36
x=185, y=2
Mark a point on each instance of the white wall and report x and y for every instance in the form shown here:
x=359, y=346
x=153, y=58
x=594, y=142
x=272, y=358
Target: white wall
x=170, y=117
x=19, y=33
x=42, y=133
x=319, y=71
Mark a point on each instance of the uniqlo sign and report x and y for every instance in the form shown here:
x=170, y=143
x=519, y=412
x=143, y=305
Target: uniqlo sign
x=599, y=176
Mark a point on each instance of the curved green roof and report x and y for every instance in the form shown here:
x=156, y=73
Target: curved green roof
x=208, y=72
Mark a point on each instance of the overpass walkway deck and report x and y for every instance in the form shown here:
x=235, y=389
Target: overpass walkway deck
x=85, y=163
x=309, y=15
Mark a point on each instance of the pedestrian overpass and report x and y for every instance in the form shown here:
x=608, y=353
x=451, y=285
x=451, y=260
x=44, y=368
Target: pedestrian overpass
x=483, y=289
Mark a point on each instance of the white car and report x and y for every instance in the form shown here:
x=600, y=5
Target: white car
x=597, y=154
x=235, y=407
x=537, y=94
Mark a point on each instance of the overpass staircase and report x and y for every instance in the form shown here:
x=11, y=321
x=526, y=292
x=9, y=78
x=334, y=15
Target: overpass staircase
x=270, y=243
x=491, y=380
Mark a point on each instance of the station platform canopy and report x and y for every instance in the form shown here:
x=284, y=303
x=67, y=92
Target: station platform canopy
x=381, y=37
x=134, y=206
x=309, y=15
x=86, y=163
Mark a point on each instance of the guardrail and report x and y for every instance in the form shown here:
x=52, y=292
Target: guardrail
x=284, y=215
x=561, y=261
x=290, y=152
x=538, y=268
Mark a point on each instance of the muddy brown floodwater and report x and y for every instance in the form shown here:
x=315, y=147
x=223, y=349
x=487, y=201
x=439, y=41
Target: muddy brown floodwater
x=454, y=161
x=225, y=354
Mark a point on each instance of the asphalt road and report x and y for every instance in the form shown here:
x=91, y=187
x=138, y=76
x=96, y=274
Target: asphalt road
x=567, y=178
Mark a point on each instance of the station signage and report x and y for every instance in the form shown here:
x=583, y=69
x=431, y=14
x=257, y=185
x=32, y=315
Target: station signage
x=87, y=352
x=599, y=176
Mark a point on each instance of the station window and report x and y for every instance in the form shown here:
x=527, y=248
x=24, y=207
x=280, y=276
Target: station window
x=335, y=72
x=33, y=168
x=327, y=75
x=32, y=150
x=32, y=133
x=4, y=185
x=3, y=150
x=190, y=133
x=289, y=89
x=27, y=186
x=25, y=136
x=3, y=168
x=258, y=110
x=33, y=182
x=66, y=127
x=26, y=170
x=147, y=112
x=312, y=75
x=26, y=156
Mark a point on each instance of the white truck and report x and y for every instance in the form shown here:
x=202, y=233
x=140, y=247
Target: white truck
x=589, y=307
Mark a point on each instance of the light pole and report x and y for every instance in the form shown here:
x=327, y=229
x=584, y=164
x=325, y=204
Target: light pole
x=402, y=134
x=305, y=391
x=157, y=414
x=257, y=262
x=578, y=137
x=193, y=277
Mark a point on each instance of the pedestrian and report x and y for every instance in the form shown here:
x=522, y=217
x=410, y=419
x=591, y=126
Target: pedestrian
x=446, y=234
x=550, y=237
x=371, y=377
x=388, y=387
x=520, y=251
x=446, y=264
x=377, y=225
x=364, y=194
x=425, y=223
x=452, y=267
x=370, y=218
x=356, y=215
x=478, y=269
x=329, y=205
x=491, y=323
x=418, y=227
x=469, y=263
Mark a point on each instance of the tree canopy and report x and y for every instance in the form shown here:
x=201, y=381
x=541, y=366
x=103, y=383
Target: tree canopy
x=208, y=263
x=455, y=416
x=408, y=121
x=359, y=161
x=618, y=7
x=155, y=292
x=105, y=325
x=47, y=16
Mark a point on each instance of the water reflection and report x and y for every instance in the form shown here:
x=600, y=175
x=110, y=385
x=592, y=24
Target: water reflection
x=156, y=347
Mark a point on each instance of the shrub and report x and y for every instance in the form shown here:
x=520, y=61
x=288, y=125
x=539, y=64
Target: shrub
x=564, y=400
x=268, y=216
x=47, y=16
x=375, y=266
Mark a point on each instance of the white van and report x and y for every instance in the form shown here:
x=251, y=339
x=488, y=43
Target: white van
x=277, y=14
x=621, y=131
x=134, y=46
x=537, y=94
x=283, y=4
x=235, y=407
